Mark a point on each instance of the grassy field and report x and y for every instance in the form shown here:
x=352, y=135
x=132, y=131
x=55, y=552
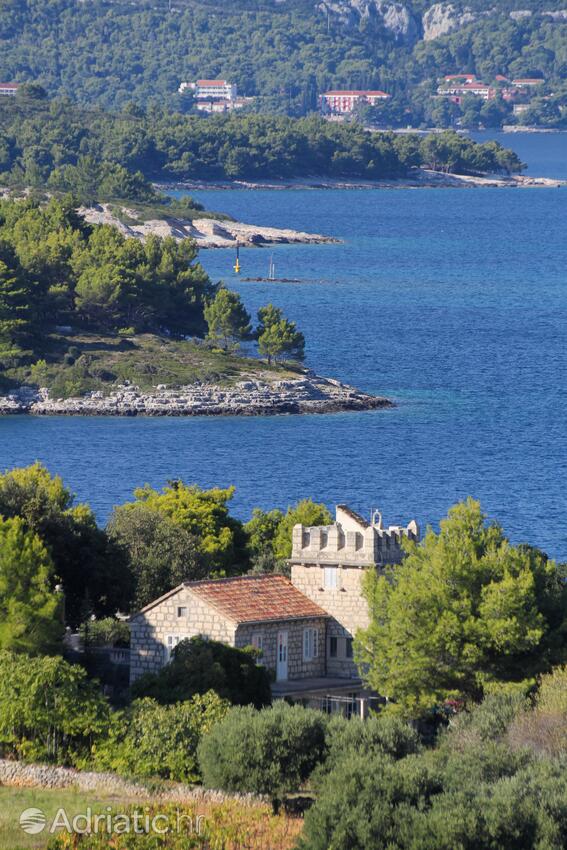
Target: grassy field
x=13, y=801
x=226, y=826
x=75, y=364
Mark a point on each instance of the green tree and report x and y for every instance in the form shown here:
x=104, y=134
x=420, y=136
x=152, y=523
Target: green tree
x=200, y=665
x=260, y=532
x=277, y=336
x=149, y=739
x=306, y=512
x=30, y=610
x=227, y=319
x=271, y=752
x=161, y=552
x=92, y=569
x=49, y=710
x=465, y=613
x=15, y=303
x=204, y=514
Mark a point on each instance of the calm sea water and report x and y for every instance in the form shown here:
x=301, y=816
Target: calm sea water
x=452, y=302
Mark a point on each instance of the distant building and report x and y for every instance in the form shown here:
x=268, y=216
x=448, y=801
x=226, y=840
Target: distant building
x=460, y=78
x=9, y=89
x=210, y=89
x=215, y=95
x=343, y=102
x=527, y=82
x=458, y=86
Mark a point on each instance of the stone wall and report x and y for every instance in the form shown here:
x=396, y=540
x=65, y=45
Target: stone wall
x=150, y=629
x=298, y=668
x=16, y=774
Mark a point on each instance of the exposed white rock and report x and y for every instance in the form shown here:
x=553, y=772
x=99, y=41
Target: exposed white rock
x=307, y=394
x=207, y=232
x=394, y=17
x=443, y=18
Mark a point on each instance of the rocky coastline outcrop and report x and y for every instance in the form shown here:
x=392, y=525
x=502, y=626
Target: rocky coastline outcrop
x=207, y=232
x=306, y=394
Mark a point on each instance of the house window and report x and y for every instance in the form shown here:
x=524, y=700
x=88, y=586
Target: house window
x=333, y=644
x=330, y=579
x=349, y=647
x=310, y=644
x=171, y=642
x=258, y=642
x=182, y=611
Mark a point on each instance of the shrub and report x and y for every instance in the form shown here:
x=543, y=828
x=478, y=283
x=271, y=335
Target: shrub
x=487, y=721
x=155, y=740
x=365, y=802
x=49, y=709
x=372, y=802
x=105, y=632
x=378, y=735
x=544, y=729
x=200, y=665
x=272, y=752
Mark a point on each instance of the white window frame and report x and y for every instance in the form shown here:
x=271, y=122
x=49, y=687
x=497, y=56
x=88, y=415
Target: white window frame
x=171, y=642
x=181, y=608
x=310, y=643
x=331, y=578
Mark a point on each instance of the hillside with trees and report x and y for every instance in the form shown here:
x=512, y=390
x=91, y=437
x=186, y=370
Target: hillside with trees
x=283, y=54
x=100, y=156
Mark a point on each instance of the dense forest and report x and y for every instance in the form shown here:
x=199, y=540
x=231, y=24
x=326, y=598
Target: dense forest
x=101, y=156
x=283, y=54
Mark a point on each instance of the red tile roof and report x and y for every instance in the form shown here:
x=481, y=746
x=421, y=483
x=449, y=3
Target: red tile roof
x=350, y=93
x=211, y=82
x=9, y=86
x=254, y=599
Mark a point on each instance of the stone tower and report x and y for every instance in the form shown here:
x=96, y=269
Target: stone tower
x=328, y=564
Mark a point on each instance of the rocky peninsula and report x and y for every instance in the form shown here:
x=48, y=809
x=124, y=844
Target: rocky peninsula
x=309, y=393
x=206, y=232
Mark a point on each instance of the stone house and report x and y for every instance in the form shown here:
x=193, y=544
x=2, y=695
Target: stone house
x=304, y=628
x=265, y=611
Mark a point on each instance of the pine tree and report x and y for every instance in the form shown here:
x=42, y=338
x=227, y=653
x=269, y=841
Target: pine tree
x=277, y=336
x=30, y=610
x=14, y=306
x=228, y=321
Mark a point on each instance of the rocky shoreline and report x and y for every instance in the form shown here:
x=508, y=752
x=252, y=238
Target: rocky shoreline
x=206, y=232
x=308, y=394
x=420, y=178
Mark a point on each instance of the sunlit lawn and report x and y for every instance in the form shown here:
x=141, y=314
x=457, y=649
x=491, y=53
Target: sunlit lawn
x=13, y=801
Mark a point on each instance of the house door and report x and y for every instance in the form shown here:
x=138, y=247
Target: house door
x=281, y=672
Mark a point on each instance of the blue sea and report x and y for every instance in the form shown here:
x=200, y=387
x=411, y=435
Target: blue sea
x=451, y=302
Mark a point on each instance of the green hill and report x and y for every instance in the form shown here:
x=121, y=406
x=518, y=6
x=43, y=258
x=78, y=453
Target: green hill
x=284, y=53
